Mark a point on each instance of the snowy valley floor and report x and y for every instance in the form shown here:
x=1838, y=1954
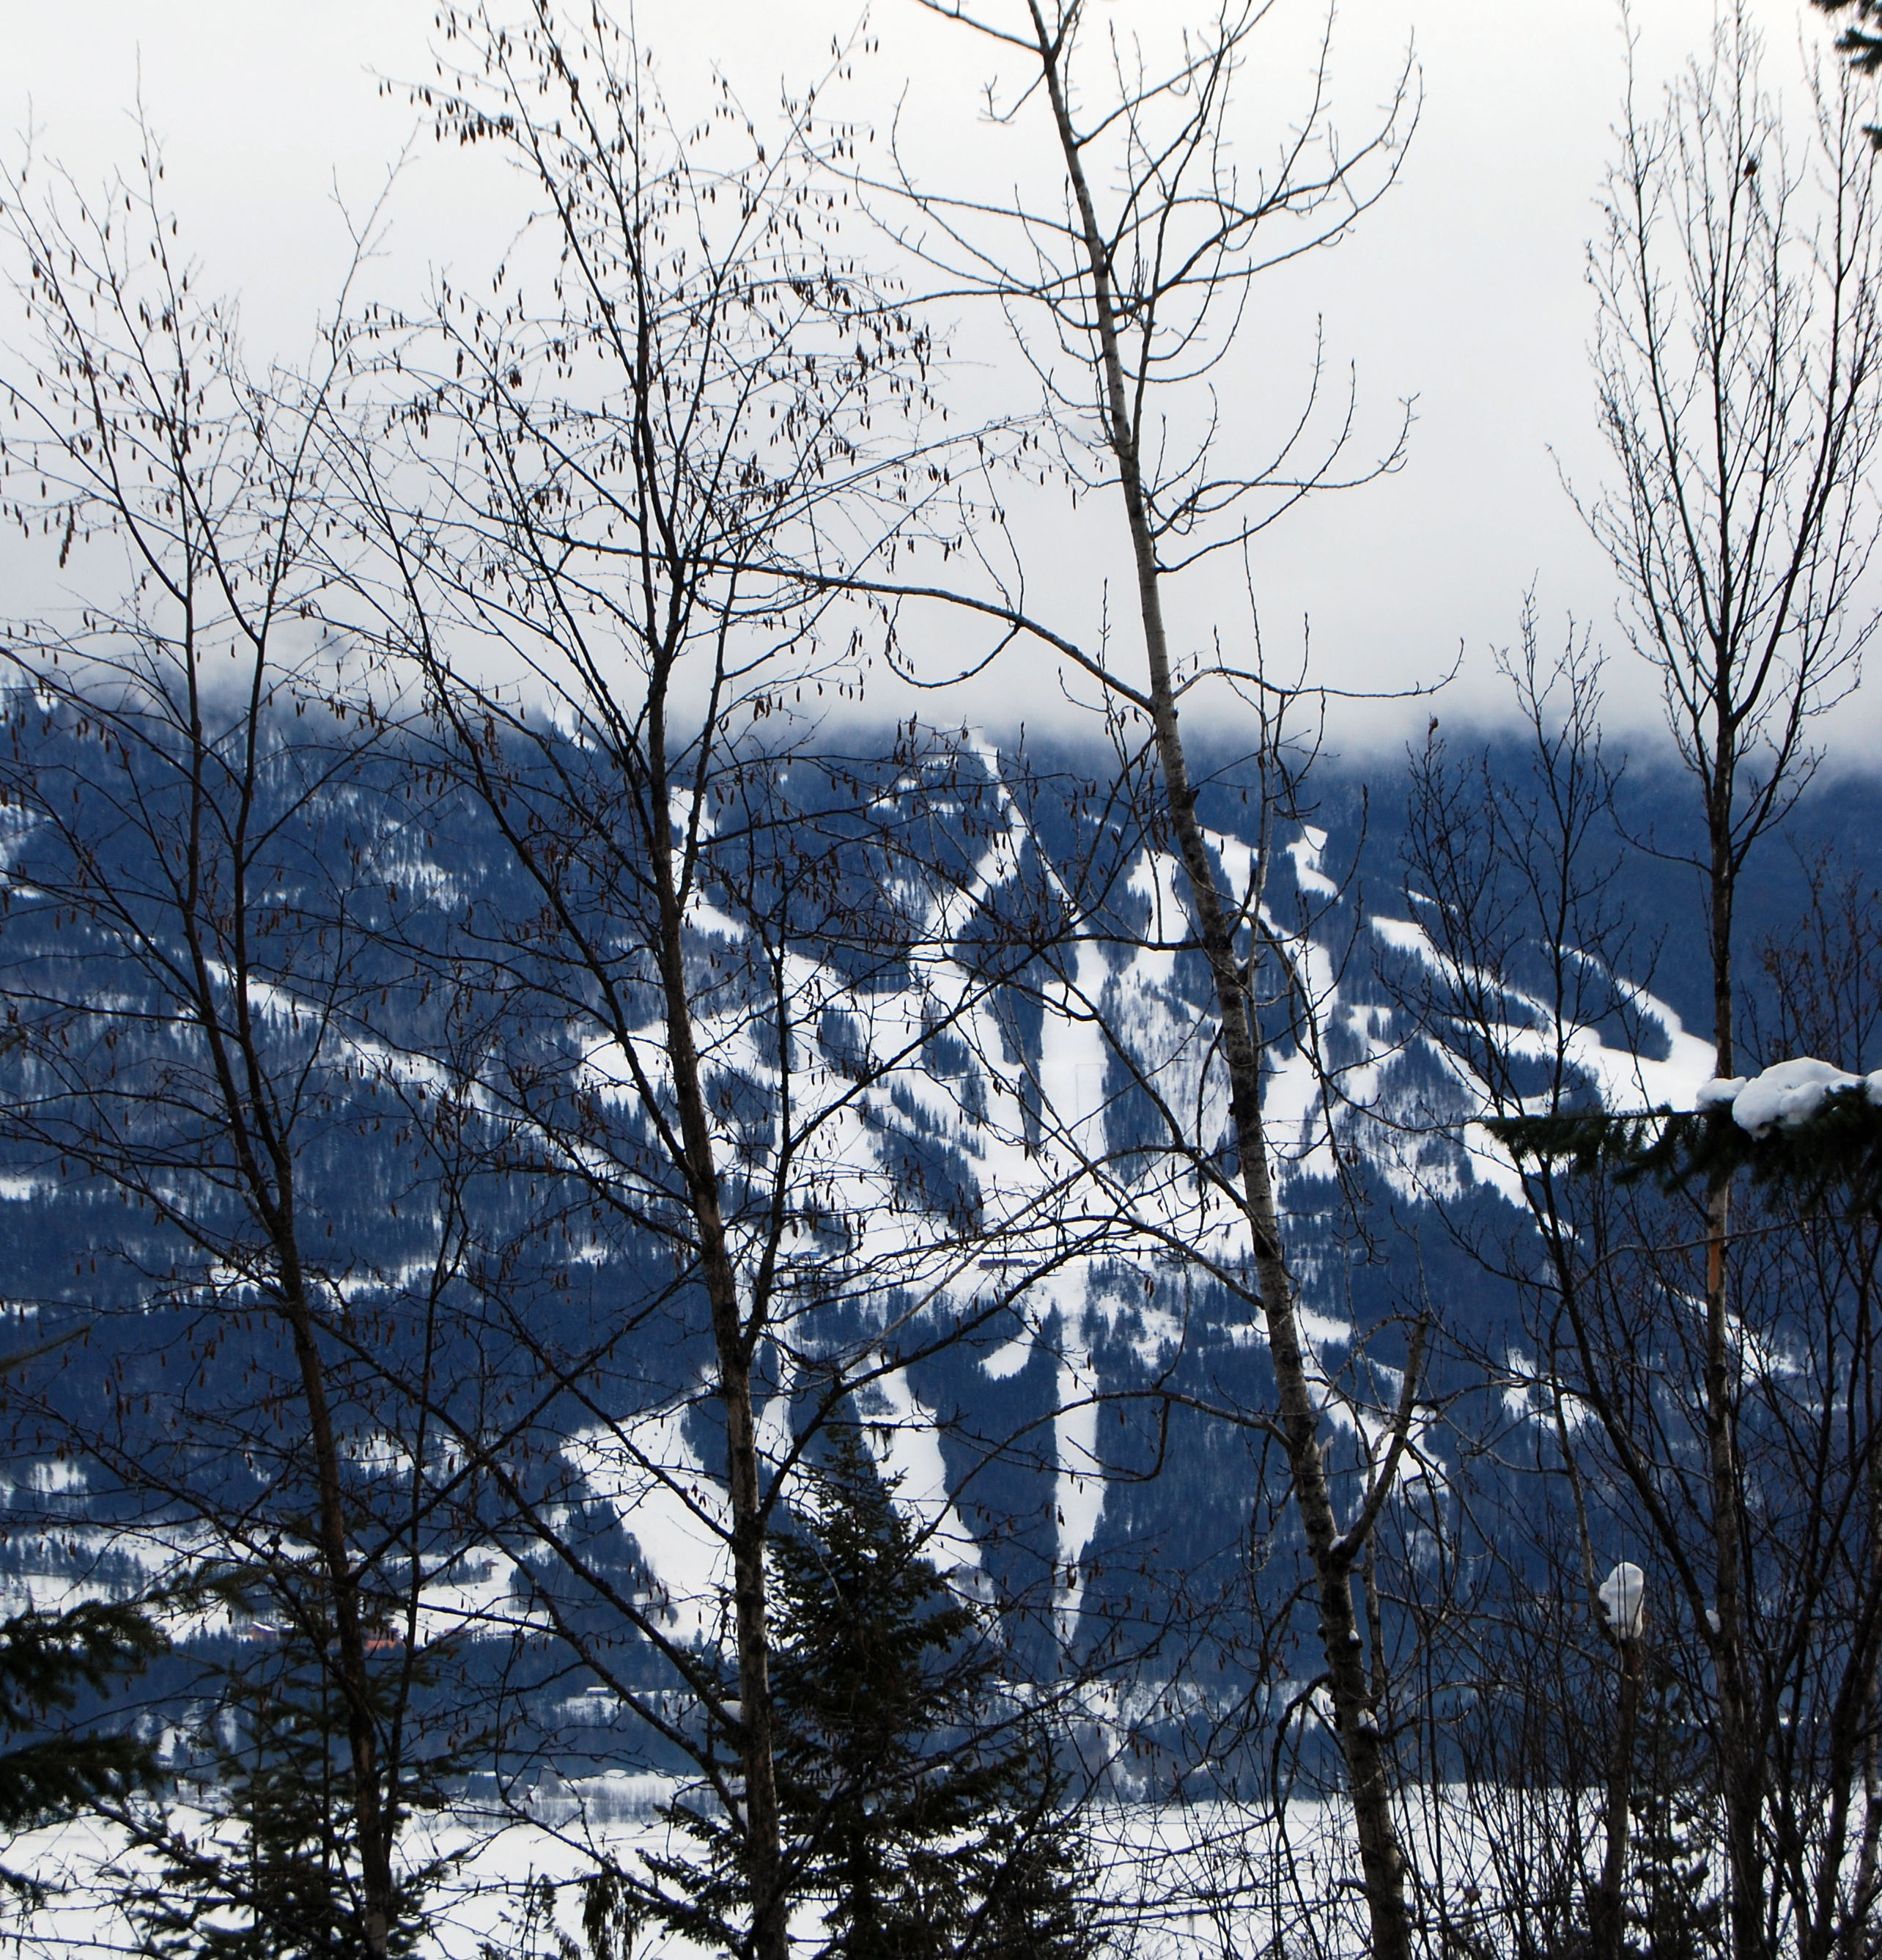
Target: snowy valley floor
x=1204, y=1880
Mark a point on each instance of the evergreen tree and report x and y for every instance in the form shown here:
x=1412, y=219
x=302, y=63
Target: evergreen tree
x=1682, y=1914
x=927, y=1831
x=277, y=1876
x=1861, y=37
x=48, y=1662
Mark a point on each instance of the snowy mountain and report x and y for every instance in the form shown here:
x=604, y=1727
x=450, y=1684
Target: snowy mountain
x=969, y=1113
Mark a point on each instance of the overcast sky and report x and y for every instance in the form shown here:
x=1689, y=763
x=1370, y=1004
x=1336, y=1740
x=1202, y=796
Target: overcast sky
x=1465, y=288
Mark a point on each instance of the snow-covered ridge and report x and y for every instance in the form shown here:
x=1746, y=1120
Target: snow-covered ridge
x=1051, y=1184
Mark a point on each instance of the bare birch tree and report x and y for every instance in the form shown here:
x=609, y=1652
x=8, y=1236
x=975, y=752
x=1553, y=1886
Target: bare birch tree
x=1530, y=982
x=1126, y=274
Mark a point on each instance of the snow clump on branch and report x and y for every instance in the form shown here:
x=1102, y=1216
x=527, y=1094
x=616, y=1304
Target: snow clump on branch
x=1789, y=1092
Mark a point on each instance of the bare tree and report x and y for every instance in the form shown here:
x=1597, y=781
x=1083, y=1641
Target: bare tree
x=1523, y=952
x=1125, y=275
x=615, y=532
x=1740, y=356
x=1598, y=1398
x=191, y=957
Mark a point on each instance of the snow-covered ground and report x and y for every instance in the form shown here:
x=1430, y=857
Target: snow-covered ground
x=1177, y=1881
x=1207, y=1881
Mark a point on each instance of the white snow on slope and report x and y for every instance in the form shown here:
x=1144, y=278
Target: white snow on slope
x=674, y=1509
x=1032, y=1133
x=1623, y=1077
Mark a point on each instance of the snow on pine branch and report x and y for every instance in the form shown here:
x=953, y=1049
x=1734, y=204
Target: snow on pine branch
x=1800, y=1124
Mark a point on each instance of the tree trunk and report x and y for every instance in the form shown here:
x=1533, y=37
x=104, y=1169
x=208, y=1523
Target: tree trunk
x=1610, y=1930
x=1740, y=1783
x=268, y=1167
x=374, y=1819
x=763, y=1838
x=1865, y=1892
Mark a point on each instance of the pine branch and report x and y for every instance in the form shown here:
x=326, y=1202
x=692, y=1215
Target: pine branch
x=1831, y=1161
x=1861, y=41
